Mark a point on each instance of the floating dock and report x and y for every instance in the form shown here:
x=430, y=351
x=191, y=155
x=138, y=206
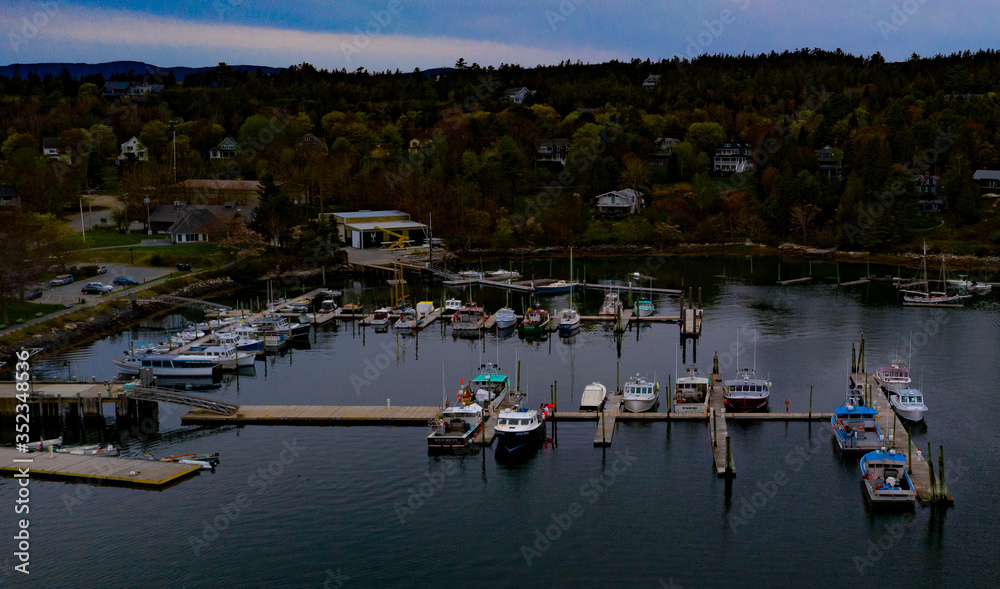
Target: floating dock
x=316, y=415
x=721, y=442
x=91, y=468
x=606, y=421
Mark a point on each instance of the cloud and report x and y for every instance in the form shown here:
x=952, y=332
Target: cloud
x=104, y=35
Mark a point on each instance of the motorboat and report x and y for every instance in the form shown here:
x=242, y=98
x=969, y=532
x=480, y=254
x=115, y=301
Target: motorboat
x=894, y=377
x=644, y=307
x=594, y=395
x=855, y=425
x=746, y=392
x=964, y=285
x=469, y=318
x=506, y=318
x=520, y=431
x=451, y=306
x=691, y=392
x=455, y=428
x=471, y=274
x=226, y=354
x=569, y=321
x=489, y=387
x=536, y=322
x=885, y=479
x=502, y=274
x=381, y=318
x=640, y=395
x=408, y=319
x=557, y=287
x=908, y=404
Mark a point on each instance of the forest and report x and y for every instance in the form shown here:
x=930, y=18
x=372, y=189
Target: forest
x=446, y=143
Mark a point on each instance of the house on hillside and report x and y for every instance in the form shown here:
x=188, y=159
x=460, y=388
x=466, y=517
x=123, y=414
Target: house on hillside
x=515, y=95
x=552, y=151
x=10, y=199
x=734, y=157
x=187, y=223
x=115, y=89
x=932, y=198
x=142, y=88
x=988, y=181
x=50, y=147
x=651, y=80
x=664, y=149
x=225, y=150
x=619, y=202
x=134, y=149
x=310, y=141
x=831, y=162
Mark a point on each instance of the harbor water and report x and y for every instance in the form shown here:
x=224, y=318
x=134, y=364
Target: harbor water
x=366, y=507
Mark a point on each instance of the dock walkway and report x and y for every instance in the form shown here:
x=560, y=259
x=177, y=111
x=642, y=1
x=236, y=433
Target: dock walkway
x=317, y=415
x=605, y=431
x=720, y=432
x=91, y=468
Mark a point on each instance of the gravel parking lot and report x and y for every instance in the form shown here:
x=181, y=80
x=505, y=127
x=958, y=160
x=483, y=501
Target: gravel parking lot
x=70, y=293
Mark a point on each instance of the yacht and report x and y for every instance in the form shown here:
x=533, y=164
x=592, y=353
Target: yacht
x=640, y=395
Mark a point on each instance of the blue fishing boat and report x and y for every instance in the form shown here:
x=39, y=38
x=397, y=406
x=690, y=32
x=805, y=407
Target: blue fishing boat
x=855, y=425
x=884, y=476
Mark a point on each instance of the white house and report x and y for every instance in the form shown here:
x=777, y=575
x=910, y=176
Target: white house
x=734, y=156
x=224, y=150
x=515, y=95
x=651, y=80
x=135, y=149
x=626, y=201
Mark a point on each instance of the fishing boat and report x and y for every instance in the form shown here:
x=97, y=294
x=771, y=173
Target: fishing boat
x=691, y=392
x=506, y=318
x=490, y=387
x=451, y=306
x=885, y=479
x=536, y=322
x=640, y=395
x=746, y=392
x=855, y=426
x=908, y=404
x=455, y=428
x=893, y=377
x=612, y=305
x=644, y=306
x=520, y=431
x=569, y=322
x=275, y=330
x=169, y=365
x=469, y=318
x=243, y=342
x=226, y=354
x=929, y=298
x=300, y=328
x=408, y=319
x=381, y=318
x=594, y=395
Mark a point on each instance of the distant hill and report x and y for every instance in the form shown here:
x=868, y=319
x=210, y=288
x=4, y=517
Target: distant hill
x=115, y=67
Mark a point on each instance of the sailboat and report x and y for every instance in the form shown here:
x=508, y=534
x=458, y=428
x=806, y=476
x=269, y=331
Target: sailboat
x=928, y=298
x=569, y=318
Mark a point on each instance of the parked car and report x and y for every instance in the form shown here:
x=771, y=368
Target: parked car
x=35, y=293
x=61, y=280
x=124, y=281
x=102, y=269
x=97, y=288
x=183, y=267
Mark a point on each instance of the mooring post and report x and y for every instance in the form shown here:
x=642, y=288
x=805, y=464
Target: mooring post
x=699, y=297
x=604, y=430
x=670, y=394
x=944, y=487
x=715, y=429
x=519, y=375
x=810, y=403
x=729, y=454
x=555, y=396
x=930, y=469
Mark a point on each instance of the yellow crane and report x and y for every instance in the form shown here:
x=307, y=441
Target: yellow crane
x=401, y=240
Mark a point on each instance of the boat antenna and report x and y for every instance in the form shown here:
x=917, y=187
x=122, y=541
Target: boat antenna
x=755, y=350
x=737, y=349
x=909, y=355
x=444, y=389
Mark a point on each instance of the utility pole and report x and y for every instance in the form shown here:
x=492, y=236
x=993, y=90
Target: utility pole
x=83, y=228
x=173, y=125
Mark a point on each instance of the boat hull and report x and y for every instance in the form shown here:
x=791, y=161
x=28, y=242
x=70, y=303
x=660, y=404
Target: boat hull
x=519, y=444
x=639, y=405
x=566, y=329
x=506, y=323
x=914, y=415
x=158, y=371
x=745, y=404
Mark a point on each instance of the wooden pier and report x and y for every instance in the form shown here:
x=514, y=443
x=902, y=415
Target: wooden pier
x=606, y=421
x=92, y=468
x=721, y=442
x=690, y=316
x=317, y=415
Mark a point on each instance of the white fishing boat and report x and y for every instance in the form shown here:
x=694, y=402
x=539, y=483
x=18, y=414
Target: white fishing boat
x=893, y=377
x=275, y=330
x=506, y=318
x=520, y=431
x=908, y=403
x=169, y=365
x=594, y=395
x=885, y=479
x=569, y=318
x=455, y=428
x=451, y=306
x=691, y=392
x=644, y=306
x=746, y=392
x=640, y=395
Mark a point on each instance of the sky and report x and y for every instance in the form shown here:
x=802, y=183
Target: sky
x=406, y=34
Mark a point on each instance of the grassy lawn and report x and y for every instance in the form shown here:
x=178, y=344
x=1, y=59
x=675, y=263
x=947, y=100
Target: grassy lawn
x=17, y=311
x=199, y=255
x=107, y=237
